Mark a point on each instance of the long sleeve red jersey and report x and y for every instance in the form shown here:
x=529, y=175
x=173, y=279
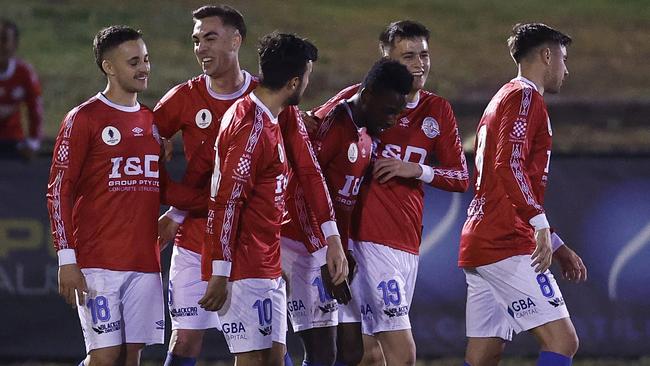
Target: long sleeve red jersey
x=344, y=152
x=247, y=195
x=19, y=84
x=426, y=133
x=513, y=151
x=103, y=193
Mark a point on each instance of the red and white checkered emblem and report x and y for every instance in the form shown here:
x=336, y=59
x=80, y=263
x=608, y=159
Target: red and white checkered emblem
x=244, y=166
x=62, y=154
x=519, y=129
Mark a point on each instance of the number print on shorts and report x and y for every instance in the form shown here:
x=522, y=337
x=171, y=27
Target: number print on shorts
x=322, y=294
x=390, y=291
x=545, y=285
x=264, y=311
x=99, y=309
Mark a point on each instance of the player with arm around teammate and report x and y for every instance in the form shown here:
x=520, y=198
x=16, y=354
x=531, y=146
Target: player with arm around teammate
x=506, y=244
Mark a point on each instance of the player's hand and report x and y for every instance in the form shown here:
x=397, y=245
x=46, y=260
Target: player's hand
x=72, y=284
x=311, y=123
x=166, y=150
x=337, y=263
x=341, y=292
x=215, y=294
x=573, y=269
x=543, y=254
x=386, y=168
x=167, y=229
x=352, y=266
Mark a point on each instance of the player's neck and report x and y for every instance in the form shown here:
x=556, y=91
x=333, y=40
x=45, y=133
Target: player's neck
x=357, y=116
x=412, y=97
x=273, y=100
x=120, y=96
x=535, y=76
x=229, y=82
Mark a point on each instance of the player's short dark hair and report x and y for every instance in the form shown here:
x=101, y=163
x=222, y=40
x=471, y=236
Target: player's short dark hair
x=284, y=56
x=8, y=24
x=526, y=37
x=403, y=29
x=111, y=37
x=388, y=75
x=228, y=15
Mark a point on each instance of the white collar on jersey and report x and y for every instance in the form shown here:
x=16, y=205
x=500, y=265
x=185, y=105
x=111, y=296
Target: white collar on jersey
x=414, y=103
x=123, y=108
x=11, y=68
x=235, y=95
x=264, y=108
x=525, y=81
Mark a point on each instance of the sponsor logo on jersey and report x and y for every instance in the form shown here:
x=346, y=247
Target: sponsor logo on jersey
x=266, y=331
x=281, y=153
x=108, y=327
x=137, y=131
x=160, y=324
x=404, y=122
x=233, y=328
x=181, y=312
x=111, y=136
x=18, y=93
x=296, y=305
x=522, y=308
x=556, y=302
x=430, y=127
x=328, y=307
x=353, y=152
x=203, y=118
x=396, y=311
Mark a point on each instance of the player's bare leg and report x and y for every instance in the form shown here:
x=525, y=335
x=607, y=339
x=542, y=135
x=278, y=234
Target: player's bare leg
x=349, y=344
x=558, y=336
x=484, y=351
x=125, y=354
x=273, y=356
x=186, y=342
x=319, y=345
x=398, y=347
x=372, y=353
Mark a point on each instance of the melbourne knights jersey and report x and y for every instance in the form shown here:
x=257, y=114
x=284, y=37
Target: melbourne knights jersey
x=196, y=110
x=103, y=193
x=344, y=151
x=19, y=84
x=513, y=152
x=426, y=133
x=247, y=195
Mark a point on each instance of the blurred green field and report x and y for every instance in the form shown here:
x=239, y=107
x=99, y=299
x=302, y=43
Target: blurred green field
x=469, y=56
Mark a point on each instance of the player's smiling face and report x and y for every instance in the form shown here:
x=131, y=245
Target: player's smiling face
x=129, y=66
x=414, y=54
x=215, y=45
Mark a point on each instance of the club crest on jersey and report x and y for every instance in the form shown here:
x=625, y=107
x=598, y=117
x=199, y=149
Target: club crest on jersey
x=430, y=127
x=353, y=152
x=111, y=136
x=203, y=118
x=281, y=153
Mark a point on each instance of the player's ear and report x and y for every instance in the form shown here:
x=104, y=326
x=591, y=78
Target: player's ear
x=107, y=66
x=237, y=40
x=545, y=55
x=383, y=50
x=294, y=83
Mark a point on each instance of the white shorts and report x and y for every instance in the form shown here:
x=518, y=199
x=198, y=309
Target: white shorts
x=509, y=296
x=255, y=314
x=122, y=307
x=384, y=282
x=185, y=290
x=310, y=306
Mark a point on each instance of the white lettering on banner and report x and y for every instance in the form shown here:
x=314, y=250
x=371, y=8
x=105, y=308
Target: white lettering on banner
x=395, y=151
x=134, y=166
x=16, y=281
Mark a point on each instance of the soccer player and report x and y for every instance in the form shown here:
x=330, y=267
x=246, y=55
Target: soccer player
x=18, y=85
x=196, y=108
x=388, y=218
x=106, y=159
x=344, y=148
x=241, y=256
x=506, y=244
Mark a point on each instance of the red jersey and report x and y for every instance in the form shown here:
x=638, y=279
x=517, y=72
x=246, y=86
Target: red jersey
x=344, y=152
x=19, y=84
x=247, y=195
x=426, y=133
x=513, y=151
x=196, y=110
x=103, y=192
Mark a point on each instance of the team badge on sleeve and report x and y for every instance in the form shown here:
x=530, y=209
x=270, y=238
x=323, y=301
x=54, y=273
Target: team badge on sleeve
x=353, y=152
x=430, y=127
x=111, y=136
x=203, y=118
